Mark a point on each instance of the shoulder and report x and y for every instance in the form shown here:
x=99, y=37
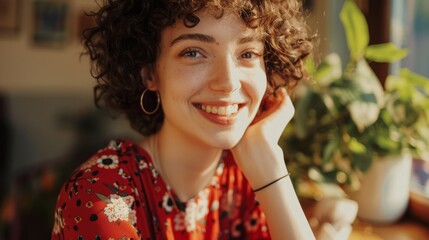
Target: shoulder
x=117, y=154
x=117, y=162
x=102, y=184
x=114, y=164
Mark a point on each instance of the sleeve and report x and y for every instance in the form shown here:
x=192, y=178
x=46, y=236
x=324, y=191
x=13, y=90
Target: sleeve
x=97, y=201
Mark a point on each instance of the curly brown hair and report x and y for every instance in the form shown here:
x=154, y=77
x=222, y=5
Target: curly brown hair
x=127, y=34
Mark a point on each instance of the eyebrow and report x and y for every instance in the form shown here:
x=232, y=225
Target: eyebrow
x=250, y=39
x=194, y=36
x=211, y=39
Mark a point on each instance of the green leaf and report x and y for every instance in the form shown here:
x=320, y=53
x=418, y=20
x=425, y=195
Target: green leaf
x=415, y=79
x=345, y=91
x=367, y=80
x=356, y=28
x=103, y=198
x=386, y=144
x=393, y=83
x=386, y=52
x=112, y=188
x=409, y=86
x=329, y=150
x=328, y=70
x=362, y=161
x=355, y=146
x=303, y=113
x=363, y=113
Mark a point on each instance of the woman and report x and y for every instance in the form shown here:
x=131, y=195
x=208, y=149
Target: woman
x=203, y=82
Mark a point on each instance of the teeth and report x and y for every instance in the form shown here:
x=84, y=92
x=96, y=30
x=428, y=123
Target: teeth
x=221, y=110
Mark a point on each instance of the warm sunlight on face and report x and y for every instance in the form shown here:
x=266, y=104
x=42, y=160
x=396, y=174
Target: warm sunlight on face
x=211, y=79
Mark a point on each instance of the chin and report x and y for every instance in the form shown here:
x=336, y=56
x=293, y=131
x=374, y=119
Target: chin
x=226, y=142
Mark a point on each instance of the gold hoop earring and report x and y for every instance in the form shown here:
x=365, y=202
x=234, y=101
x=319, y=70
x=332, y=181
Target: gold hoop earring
x=158, y=102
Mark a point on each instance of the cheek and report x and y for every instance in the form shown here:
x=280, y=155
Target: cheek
x=191, y=80
x=259, y=85
x=173, y=77
x=181, y=84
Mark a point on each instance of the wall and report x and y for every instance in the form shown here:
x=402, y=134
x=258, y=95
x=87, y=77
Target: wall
x=48, y=94
x=25, y=67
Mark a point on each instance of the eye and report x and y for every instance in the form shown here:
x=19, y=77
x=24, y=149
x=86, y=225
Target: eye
x=250, y=55
x=191, y=53
x=247, y=55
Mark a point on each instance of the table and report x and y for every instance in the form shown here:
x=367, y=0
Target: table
x=407, y=228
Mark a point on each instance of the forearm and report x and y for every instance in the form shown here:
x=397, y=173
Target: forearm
x=261, y=160
x=279, y=201
x=286, y=219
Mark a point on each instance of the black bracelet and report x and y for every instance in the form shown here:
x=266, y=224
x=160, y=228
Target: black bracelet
x=267, y=185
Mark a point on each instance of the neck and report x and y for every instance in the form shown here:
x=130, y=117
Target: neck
x=187, y=167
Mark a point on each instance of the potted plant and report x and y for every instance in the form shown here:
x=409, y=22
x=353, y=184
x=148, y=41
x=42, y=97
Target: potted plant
x=346, y=122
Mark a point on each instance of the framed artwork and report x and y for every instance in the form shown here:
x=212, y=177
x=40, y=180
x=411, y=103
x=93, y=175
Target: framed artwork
x=9, y=15
x=51, y=25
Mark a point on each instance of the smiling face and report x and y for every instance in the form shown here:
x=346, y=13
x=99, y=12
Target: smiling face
x=211, y=79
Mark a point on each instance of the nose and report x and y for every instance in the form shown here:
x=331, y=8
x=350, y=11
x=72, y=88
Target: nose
x=226, y=76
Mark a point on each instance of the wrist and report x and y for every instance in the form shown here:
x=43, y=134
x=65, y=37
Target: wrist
x=271, y=183
x=263, y=168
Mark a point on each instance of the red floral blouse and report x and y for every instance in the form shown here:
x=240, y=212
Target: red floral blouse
x=118, y=194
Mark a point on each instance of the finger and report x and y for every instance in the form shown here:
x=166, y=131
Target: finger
x=267, y=107
x=285, y=110
x=279, y=111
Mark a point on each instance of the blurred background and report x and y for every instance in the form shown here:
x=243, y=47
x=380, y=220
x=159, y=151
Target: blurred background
x=49, y=124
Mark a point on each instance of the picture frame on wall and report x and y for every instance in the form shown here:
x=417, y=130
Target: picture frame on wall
x=51, y=24
x=9, y=15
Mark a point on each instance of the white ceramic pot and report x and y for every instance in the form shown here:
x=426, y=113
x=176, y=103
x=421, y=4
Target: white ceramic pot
x=384, y=193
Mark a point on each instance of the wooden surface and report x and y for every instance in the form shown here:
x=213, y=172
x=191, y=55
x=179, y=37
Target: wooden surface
x=408, y=228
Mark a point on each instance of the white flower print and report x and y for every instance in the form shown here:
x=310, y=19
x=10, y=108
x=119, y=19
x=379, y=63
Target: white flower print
x=202, y=205
x=114, y=145
x=88, y=164
x=122, y=173
x=167, y=203
x=59, y=221
x=196, y=210
x=89, y=204
x=190, y=215
x=119, y=209
x=154, y=171
x=179, y=221
x=108, y=161
x=142, y=165
x=215, y=206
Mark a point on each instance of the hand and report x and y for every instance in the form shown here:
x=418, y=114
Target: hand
x=258, y=154
x=276, y=114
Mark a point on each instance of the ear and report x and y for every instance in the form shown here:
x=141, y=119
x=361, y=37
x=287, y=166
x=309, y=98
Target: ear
x=148, y=79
